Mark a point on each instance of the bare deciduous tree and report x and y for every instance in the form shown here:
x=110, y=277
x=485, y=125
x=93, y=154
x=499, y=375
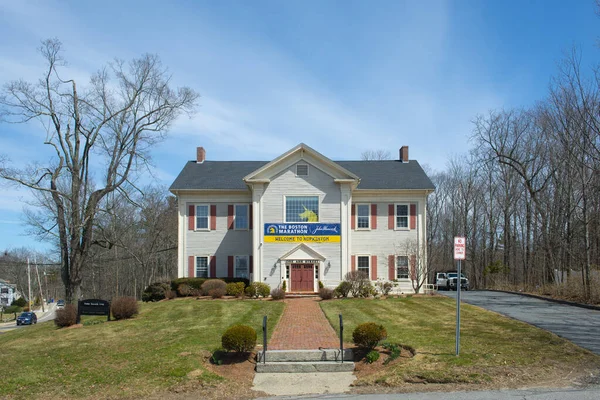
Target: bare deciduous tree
x=375, y=155
x=104, y=130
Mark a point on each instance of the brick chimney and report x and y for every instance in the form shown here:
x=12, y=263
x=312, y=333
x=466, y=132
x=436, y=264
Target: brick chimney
x=200, y=155
x=404, y=154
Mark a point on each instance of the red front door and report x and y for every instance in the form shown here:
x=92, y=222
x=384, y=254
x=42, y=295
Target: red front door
x=302, y=278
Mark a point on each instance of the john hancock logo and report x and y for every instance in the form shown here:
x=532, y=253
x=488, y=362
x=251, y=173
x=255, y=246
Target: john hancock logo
x=272, y=229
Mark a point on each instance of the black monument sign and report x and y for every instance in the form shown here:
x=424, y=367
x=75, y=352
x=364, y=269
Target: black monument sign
x=93, y=307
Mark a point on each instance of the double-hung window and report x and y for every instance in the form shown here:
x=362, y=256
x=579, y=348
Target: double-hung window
x=241, y=267
x=401, y=216
x=241, y=217
x=201, y=267
x=402, y=267
x=202, y=215
x=363, y=264
x=362, y=216
x=302, y=209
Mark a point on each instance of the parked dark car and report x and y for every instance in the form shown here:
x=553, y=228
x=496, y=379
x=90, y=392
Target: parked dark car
x=27, y=318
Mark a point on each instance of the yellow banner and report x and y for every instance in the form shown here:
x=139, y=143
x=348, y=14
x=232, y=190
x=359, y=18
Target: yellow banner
x=296, y=239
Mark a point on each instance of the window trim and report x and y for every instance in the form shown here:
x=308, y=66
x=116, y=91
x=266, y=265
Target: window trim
x=208, y=259
x=196, y=217
x=369, y=261
x=368, y=228
x=247, y=256
x=285, y=196
x=247, y=228
x=307, y=170
x=396, y=257
x=401, y=228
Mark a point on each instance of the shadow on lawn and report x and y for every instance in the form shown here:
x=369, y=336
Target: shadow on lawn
x=223, y=357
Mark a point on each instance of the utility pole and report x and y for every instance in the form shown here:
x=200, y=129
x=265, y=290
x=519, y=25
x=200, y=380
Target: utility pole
x=28, y=284
x=37, y=272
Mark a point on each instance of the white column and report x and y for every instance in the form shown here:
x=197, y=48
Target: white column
x=257, y=232
x=181, y=251
x=346, y=239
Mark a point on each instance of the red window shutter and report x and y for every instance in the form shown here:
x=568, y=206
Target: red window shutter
x=413, y=216
x=392, y=268
x=413, y=267
x=373, y=216
x=250, y=216
x=191, y=266
x=213, y=217
x=391, y=216
x=251, y=266
x=373, y=268
x=353, y=212
x=353, y=264
x=230, y=266
x=191, y=216
x=230, y=216
x=213, y=267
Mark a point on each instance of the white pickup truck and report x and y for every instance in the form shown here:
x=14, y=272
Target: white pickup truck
x=447, y=281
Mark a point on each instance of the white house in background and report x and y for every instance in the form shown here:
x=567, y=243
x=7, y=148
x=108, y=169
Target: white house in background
x=8, y=293
x=302, y=218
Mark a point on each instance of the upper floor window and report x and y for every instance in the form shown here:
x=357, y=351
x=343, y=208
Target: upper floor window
x=402, y=267
x=363, y=264
x=201, y=267
x=401, y=216
x=241, y=267
x=362, y=216
x=302, y=209
x=4, y=290
x=241, y=216
x=202, y=215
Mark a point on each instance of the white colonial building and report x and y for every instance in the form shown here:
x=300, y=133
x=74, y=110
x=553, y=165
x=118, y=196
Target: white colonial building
x=303, y=218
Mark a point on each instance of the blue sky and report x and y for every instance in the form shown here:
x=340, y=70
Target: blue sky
x=341, y=76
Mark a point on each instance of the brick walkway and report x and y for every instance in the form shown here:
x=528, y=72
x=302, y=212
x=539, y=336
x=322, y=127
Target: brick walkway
x=303, y=326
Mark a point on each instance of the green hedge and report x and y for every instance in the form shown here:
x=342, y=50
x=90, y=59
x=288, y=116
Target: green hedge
x=196, y=283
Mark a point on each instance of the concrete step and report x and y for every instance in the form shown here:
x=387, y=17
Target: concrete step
x=305, y=366
x=305, y=355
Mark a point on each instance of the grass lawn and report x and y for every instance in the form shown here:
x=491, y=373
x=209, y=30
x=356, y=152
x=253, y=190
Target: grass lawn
x=135, y=358
x=495, y=350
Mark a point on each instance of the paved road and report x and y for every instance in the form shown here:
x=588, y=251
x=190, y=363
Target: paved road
x=579, y=325
x=49, y=315
x=588, y=393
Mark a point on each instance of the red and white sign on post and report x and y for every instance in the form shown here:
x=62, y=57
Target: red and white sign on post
x=459, y=248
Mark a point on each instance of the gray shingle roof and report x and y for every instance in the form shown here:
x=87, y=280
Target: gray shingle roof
x=389, y=174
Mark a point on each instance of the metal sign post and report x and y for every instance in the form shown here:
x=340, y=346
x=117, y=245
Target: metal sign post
x=459, y=254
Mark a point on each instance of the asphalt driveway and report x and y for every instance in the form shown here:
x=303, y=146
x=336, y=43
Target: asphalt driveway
x=579, y=325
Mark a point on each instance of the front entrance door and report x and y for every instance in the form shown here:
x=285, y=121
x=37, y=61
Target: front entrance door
x=302, y=278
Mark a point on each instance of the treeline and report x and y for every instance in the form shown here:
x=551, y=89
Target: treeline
x=527, y=197
x=135, y=244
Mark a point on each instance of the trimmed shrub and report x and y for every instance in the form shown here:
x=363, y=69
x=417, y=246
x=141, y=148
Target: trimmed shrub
x=124, y=307
x=277, y=294
x=359, y=283
x=196, y=283
x=13, y=310
x=326, y=293
x=321, y=286
x=196, y=293
x=66, y=317
x=155, y=292
x=239, y=338
x=235, y=289
x=384, y=287
x=20, y=302
x=213, y=284
x=343, y=289
x=217, y=293
x=284, y=286
x=368, y=335
x=258, y=289
x=170, y=294
x=184, y=290
x=372, y=356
